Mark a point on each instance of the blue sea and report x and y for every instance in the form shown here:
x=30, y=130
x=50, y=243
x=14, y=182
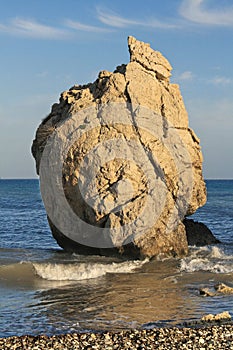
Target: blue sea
x=45, y=290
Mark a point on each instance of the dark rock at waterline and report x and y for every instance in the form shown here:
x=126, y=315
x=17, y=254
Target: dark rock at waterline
x=198, y=234
x=71, y=246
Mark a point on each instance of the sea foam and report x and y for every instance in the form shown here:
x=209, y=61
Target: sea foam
x=82, y=271
x=211, y=259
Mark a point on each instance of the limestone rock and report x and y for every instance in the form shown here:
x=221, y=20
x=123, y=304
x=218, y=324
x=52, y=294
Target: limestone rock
x=151, y=60
x=220, y=288
x=132, y=168
x=223, y=288
x=218, y=317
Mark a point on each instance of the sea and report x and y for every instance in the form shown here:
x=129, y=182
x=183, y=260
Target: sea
x=44, y=290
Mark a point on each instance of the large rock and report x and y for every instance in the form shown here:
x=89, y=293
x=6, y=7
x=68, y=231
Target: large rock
x=132, y=168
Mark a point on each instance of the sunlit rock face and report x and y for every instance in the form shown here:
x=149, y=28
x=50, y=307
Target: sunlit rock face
x=119, y=166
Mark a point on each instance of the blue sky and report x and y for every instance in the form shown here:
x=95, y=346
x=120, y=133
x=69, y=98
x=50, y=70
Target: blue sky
x=48, y=46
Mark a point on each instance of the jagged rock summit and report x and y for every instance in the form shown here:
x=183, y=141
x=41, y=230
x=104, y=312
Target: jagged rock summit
x=132, y=169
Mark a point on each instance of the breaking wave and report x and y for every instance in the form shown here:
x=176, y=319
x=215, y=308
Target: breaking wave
x=208, y=259
x=82, y=271
x=75, y=271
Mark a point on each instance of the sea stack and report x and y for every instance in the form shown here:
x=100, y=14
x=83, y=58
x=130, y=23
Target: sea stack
x=119, y=166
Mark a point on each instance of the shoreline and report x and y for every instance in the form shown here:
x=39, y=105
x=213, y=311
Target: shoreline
x=209, y=336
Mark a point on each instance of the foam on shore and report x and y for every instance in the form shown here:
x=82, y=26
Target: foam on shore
x=211, y=259
x=81, y=271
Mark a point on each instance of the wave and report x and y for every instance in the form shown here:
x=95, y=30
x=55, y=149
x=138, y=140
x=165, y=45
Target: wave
x=205, y=265
x=82, y=271
x=208, y=259
x=16, y=272
x=75, y=271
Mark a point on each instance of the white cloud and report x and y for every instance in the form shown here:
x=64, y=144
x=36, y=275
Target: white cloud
x=221, y=81
x=195, y=11
x=192, y=10
x=187, y=75
x=33, y=29
x=85, y=27
x=114, y=20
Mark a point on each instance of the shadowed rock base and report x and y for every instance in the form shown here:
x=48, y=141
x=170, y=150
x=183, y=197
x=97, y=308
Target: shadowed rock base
x=129, y=251
x=199, y=234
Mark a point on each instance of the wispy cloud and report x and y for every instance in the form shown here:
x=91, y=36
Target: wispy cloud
x=196, y=11
x=114, y=20
x=33, y=29
x=186, y=75
x=221, y=81
x=85, y=27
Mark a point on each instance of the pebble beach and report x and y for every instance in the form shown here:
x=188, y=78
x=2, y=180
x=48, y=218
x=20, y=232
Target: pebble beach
x=211, y=337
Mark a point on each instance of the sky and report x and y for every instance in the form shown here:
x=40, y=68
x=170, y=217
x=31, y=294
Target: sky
x=47, y=46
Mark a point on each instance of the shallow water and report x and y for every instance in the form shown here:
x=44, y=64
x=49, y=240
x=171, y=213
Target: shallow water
x=44, y=290
x=72, y=293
